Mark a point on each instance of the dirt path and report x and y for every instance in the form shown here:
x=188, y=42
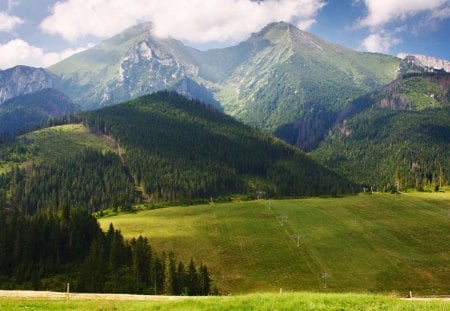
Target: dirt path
x=41, y=295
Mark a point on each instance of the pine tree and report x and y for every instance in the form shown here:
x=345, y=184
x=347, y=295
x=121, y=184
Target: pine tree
x=141, y=258
x=181, y=288
x=192, y=279
x=170, y=275
x=92, y=274
x=204, y=281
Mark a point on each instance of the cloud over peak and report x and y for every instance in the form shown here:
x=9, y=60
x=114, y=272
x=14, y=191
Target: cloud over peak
x=191, y=20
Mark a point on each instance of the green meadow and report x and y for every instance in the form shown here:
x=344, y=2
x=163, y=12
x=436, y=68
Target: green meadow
x=382, y=243
x=290, y=301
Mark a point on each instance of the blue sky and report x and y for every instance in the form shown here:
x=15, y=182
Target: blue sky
x=42, y=32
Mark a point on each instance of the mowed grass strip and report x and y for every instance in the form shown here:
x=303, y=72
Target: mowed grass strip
x=289, y=301
x=379, y=243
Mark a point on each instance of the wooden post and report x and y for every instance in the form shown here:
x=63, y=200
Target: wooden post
x=68, y=293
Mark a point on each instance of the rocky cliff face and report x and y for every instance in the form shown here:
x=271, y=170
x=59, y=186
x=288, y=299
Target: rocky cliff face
x=148, y=68
x=22, y=80
x=427, y=62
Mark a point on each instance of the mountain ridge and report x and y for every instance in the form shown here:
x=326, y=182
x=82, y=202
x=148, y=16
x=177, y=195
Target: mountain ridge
x=281, y=79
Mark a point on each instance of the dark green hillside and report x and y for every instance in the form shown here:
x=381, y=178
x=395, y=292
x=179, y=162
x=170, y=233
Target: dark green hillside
x=397, y=136
x=180, y=149
x=87, y=179
x=24, y=112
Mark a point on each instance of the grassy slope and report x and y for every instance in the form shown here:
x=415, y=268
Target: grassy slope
x=296, y=71
x=53, y=142
x=299, y=301
x=382, y=243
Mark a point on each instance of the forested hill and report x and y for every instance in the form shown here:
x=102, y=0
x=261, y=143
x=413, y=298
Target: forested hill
x=398, y=137
x=181, y=149
x=24, y=112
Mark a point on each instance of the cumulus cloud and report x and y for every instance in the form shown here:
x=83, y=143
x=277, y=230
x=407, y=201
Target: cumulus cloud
x=18, y=51
x=387, y=17
x=381, y=12
x=379, y=43
x=192, y=20
x=9, y=22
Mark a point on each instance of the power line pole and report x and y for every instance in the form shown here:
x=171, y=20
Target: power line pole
x=298, y=237
x=325, y=278
x=282, y=219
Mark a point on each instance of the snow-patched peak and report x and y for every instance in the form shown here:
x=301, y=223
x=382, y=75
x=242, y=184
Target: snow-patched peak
x=426, y=61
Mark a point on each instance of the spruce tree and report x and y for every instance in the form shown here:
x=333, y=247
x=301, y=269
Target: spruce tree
x=170, y=275
x=192, y=279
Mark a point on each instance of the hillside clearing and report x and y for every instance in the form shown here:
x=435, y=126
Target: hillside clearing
x=379, y=243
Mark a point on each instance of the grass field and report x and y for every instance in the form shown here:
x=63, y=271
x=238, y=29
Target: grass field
x=54, y=142
x=289, y=301
x=366, y=243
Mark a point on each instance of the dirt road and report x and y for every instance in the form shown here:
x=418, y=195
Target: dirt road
x=42, y=295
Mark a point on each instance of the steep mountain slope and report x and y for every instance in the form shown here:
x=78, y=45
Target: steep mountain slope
x=26, y=111
x=293, y=73
x=128, y=65
x=22, y=80
x=395, y=138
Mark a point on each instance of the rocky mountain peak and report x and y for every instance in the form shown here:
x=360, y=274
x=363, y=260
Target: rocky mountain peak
x=428, y=63
x=21, y=80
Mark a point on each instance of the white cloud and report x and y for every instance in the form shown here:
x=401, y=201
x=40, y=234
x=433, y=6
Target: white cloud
x=385, y=17
x=379, y=43
x=381, y=12
x=9, y=22
x=191, y=20
x=442, y=14
x=19, y=52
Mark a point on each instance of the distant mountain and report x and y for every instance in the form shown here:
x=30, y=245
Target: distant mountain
x=292, y=75
x=398, y=135
x=128, y=65
x=22, y=80
x=27, y=111
x=426, y=63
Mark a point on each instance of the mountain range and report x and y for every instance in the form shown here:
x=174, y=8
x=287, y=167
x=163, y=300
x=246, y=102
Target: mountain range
x=281, y=79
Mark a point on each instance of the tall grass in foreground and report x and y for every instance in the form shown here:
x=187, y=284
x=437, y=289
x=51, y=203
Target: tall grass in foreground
x=290, y=301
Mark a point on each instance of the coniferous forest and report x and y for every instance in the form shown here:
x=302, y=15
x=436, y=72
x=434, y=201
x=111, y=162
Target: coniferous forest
x=45, y=250
x=180, y=149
